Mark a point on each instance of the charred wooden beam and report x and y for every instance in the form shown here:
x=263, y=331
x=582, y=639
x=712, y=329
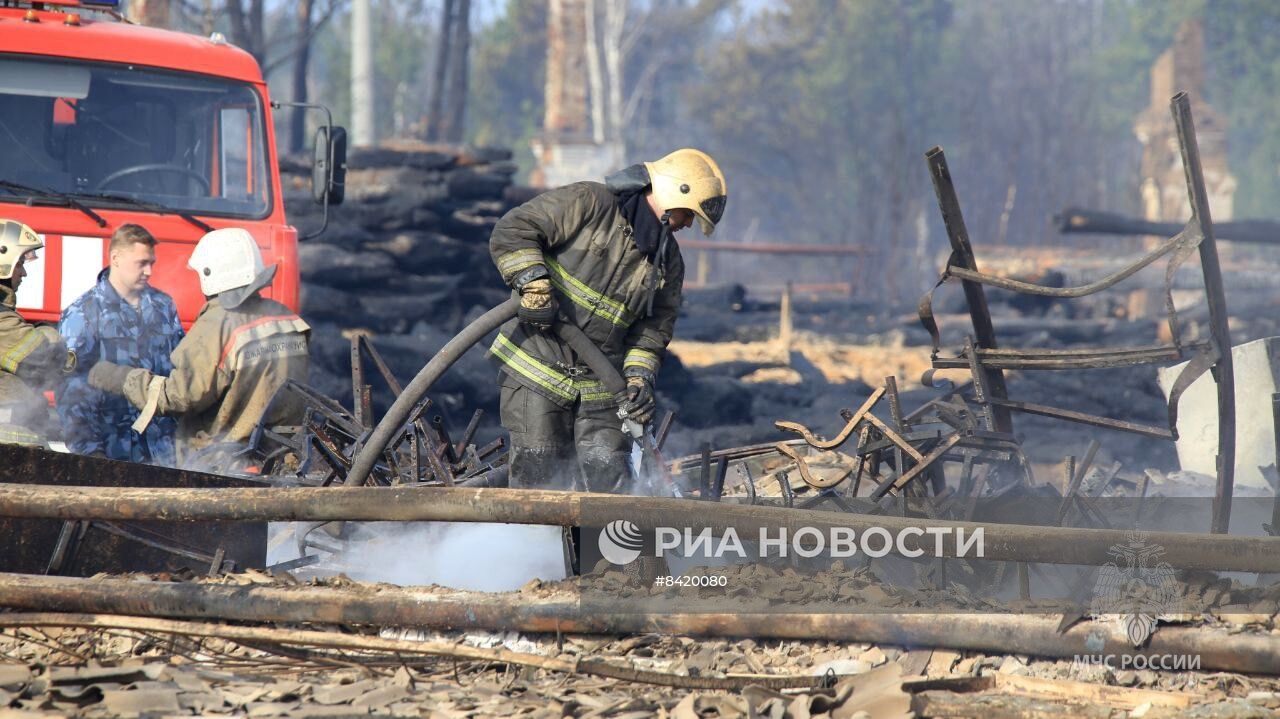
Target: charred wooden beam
x=1076, y=220
x=1003, y=542
x=1214, y=649
x=400, y=647
x=30, y=545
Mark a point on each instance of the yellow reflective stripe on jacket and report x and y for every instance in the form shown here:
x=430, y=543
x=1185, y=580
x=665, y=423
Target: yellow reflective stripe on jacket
x=518, y=260
x=557, y=383
x=19, y=352
x=592, y=390
x=13, y=434
x=233, y=356
x=637, y=357
x=583, y=296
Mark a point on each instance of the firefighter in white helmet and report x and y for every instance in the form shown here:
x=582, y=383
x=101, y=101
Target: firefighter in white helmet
x=241, y=349
x=32, y=358
x=602, y=257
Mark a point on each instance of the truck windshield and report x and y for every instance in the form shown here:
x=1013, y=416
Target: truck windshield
x=101, y=133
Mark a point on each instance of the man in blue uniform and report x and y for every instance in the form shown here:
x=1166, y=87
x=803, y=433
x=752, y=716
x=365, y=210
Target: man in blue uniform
x=122, y=319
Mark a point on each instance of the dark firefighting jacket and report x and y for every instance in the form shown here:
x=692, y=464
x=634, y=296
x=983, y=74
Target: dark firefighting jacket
x=32, y=359
x=602, y=284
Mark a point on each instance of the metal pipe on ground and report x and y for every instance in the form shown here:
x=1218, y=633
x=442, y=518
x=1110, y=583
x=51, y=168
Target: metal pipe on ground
x=1000, y=542
x=1215, y=650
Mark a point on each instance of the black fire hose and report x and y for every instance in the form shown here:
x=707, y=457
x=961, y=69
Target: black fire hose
x=396, y=417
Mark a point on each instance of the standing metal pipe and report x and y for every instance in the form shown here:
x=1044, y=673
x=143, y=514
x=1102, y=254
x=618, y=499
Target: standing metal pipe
x=364, y=130
x=975, y=296
x=1223, y=370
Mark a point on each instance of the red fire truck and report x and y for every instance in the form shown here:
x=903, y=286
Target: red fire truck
x=104, y=123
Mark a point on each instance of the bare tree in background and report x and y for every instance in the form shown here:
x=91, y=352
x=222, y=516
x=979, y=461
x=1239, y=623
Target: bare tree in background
x=435, y=103
x=301, y=60
x=615, y=15
x=247, y=27
x=605, y=56
x=595, y=74
x=152, y=13
x=456, y=99
x=207, y=16
x=447, y=107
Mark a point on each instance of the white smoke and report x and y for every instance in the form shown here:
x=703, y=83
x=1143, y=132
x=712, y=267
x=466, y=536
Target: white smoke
x=462, y=555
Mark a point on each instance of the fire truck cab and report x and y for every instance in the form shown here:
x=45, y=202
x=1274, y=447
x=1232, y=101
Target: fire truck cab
x=104, y=123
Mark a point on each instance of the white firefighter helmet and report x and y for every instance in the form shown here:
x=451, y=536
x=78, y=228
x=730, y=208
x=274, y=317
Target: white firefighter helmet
x=690, y=179
x=229, y=259
x=16, y=240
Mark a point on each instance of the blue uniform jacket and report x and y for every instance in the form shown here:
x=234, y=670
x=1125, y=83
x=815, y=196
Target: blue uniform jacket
x=100, y=325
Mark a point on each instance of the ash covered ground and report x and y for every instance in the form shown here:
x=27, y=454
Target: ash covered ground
x=148, y=671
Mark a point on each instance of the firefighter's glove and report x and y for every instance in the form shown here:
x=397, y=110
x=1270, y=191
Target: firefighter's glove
x=51, y=336
x=640, y=401
x=109, y=377
x=537, y=305
x=131, y=382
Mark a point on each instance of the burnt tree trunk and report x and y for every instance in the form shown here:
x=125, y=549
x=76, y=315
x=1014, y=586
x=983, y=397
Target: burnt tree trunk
x=247, y=27
x=152, y=13
x=453, y=125
x=301, y=61
x=435, y=107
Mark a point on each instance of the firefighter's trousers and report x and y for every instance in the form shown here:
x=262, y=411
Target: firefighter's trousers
x=553, y=447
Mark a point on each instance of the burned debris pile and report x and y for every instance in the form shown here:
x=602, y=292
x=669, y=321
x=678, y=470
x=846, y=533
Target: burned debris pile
x=405, y=259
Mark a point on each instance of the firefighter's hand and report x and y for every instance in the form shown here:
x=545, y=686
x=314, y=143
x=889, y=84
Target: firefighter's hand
x=640, y=401
x=109, y=377
x=537, y=305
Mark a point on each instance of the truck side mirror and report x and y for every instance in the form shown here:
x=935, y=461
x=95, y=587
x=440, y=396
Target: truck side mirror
x=329, y=165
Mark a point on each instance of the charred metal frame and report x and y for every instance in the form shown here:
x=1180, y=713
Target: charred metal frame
x=330, y=437
x=972, y=424
x=986, y=360
x=1003, y=542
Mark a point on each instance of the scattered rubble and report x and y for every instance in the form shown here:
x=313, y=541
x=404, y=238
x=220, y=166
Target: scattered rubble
x=408, y=258
x=56, y=666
